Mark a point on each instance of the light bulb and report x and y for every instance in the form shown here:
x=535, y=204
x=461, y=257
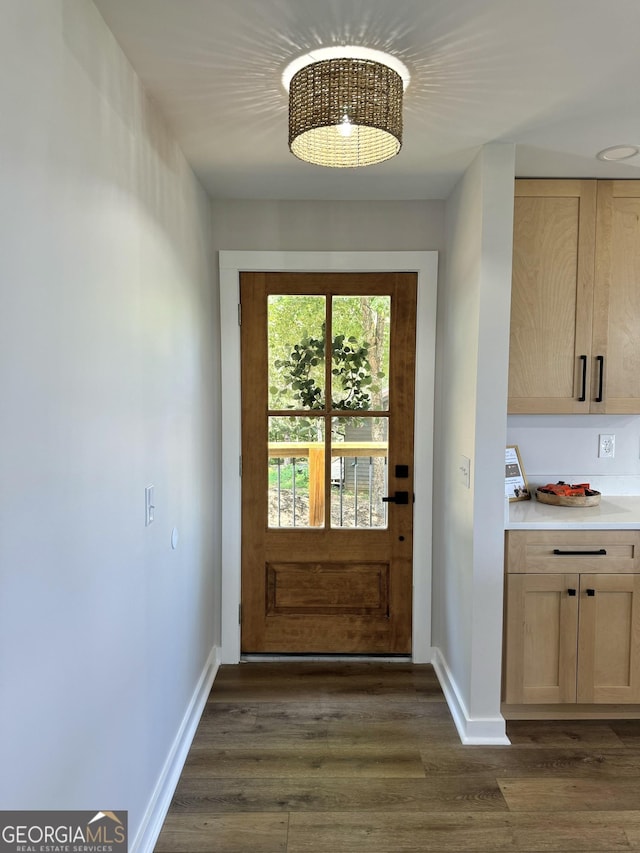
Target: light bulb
x=345, y=128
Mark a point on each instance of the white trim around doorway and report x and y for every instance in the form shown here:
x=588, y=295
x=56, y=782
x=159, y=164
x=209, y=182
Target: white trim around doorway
x=231, y=263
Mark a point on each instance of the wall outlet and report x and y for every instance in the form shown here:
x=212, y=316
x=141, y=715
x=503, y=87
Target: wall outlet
x=607, y=447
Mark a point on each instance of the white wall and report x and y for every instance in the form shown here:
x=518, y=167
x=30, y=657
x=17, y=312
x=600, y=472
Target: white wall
x=109, y=378
x=328, y=225
x=471, y=394
x=565, y=447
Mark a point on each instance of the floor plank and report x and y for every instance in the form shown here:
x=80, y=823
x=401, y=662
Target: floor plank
x=227, y=833
x=453, y=833
x=558, y=795
x=313, y=763
x=470, y=793
x=525, y=762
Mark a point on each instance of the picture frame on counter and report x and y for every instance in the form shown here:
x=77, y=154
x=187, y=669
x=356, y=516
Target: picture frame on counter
x=516, y=487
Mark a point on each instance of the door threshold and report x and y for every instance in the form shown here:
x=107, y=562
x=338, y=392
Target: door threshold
x=269, y=658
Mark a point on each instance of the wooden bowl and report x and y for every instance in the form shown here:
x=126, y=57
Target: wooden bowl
x=564, y=500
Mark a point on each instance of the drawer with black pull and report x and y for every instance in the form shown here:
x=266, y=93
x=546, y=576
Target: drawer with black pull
x=582, y=551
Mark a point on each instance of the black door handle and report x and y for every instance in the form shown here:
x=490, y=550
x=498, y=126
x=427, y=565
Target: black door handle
x=397, y=498
x=571, y=591
x=591, y=592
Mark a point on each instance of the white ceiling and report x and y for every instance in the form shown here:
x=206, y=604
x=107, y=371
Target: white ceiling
x=558, y=77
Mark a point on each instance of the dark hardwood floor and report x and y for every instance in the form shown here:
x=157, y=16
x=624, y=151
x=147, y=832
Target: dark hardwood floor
x=333, y=757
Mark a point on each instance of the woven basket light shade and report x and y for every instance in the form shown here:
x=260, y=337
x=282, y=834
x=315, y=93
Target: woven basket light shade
x=345, y=113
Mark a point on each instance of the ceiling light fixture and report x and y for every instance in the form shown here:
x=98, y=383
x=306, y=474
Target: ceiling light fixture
x=345, y=106
x=618, y=152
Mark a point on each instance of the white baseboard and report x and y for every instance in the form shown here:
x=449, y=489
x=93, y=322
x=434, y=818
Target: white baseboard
x=485, y=731
x=153, y=818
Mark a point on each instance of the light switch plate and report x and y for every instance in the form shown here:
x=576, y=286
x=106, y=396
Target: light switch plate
x=149, y=505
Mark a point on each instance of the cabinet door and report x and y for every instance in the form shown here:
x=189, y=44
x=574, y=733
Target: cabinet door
x=552, y=296
x=609, y=638
x=541, y=638
x=616, y=319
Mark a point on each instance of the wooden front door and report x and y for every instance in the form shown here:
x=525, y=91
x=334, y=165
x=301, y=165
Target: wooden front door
x=328, y=364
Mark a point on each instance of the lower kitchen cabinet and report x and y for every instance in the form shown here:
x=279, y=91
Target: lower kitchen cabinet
x=572, y=620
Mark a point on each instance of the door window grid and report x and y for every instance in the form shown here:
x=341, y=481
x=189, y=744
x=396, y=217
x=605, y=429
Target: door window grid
x=354, y=482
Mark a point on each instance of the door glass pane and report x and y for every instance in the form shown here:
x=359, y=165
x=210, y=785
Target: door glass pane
x=359, y=472
x=295, y=488
x=360, y=352
x=296, y=343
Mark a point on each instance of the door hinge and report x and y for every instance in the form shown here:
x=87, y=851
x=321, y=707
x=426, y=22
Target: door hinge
x=239, y=314
x=240, y=466
x=239, y=614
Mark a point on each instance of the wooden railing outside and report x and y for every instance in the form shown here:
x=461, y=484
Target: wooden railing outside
x=314, y=452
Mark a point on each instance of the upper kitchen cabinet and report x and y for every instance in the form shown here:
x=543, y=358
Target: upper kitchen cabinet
x=616, y=302
x=575, y=300
x=552, y=296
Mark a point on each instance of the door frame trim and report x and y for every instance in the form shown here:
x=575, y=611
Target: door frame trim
x=231, y=264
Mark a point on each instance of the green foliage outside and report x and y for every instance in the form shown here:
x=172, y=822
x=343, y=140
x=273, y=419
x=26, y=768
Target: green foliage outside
x=297, y=346
x=353, y=382
x=286, y=476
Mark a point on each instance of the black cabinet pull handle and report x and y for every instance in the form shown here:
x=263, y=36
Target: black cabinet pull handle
x=591, y=592
x=602, y=552
x=583, y=395
x=571, y=591
x=600, y=360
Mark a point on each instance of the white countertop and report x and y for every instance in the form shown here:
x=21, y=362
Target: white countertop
x=612, y=513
